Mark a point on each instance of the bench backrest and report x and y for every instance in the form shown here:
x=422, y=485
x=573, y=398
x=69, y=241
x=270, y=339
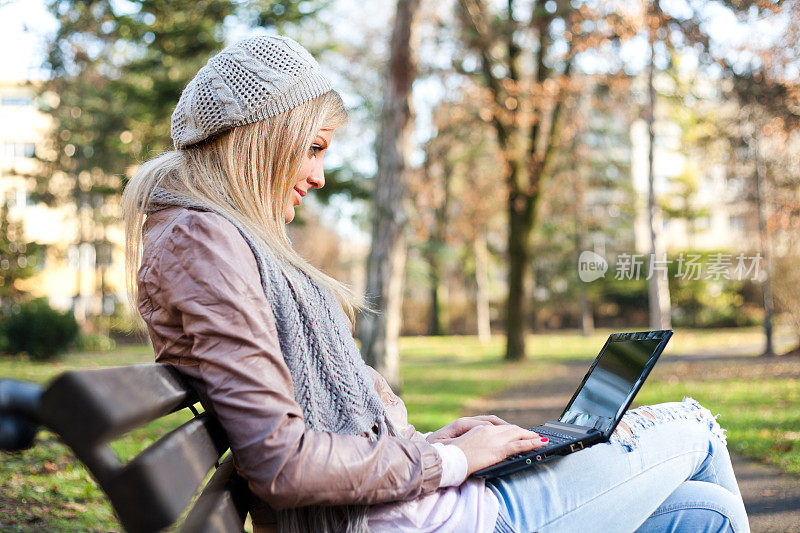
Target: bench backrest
x=89, y=409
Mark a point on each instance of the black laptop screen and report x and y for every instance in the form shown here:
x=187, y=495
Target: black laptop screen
x=608, y=386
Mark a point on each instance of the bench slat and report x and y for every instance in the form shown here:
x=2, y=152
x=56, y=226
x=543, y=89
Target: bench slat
x=152, y=491
x=91, y=407
x=222, y=506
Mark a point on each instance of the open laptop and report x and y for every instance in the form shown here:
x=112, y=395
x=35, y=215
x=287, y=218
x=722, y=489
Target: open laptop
x=594, y=411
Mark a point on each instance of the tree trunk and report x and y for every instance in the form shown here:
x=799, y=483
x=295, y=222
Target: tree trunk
x=482, y=287
x=658, y=284
x=527, y=146
x=584, y=306
x=520, y=210
x=438, y=320
x=379, y=332
x=763, y=236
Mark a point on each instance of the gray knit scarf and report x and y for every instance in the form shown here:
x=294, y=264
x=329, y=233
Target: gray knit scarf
x=331, y=382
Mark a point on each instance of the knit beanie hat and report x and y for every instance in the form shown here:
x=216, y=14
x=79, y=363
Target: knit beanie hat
x=251, y=80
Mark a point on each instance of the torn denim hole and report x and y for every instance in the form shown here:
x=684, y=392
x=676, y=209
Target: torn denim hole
x=648, y=416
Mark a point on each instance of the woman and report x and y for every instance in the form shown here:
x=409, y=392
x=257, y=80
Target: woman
x=265, y=338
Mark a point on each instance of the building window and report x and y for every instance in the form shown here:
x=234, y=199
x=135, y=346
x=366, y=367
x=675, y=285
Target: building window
x=15, y=197
x=16, y=100
x=41, y=260
x=19, y=197
x=737, y=223
x=735, y=185
x=13, y=150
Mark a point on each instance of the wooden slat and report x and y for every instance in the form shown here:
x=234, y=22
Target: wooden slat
x=91, y=407
x=222, y=506
x=152, y=491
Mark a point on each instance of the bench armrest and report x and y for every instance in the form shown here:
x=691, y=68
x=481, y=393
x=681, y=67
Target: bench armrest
x=19, y=413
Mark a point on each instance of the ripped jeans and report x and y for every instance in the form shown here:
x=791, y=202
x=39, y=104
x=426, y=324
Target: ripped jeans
x=665, y=469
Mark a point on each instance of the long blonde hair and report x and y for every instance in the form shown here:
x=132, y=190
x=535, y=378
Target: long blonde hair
x=247, y=173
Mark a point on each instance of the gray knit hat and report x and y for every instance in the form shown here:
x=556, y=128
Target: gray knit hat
x=251, y=80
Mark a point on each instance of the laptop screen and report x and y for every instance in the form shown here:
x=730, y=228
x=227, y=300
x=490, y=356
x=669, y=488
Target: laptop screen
x=612, y=381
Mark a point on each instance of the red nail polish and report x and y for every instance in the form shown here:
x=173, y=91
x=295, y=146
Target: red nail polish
x=545, y=439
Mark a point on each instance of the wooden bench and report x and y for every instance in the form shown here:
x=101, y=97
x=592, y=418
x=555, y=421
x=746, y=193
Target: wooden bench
x=89, y=409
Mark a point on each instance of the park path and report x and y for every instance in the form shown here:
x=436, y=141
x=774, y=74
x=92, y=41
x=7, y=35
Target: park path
x=772, y=497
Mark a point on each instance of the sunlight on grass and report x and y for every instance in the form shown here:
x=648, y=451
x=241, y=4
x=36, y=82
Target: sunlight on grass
x=571, y=344
x=21, y=367
x=761, y=416
x=47, y=489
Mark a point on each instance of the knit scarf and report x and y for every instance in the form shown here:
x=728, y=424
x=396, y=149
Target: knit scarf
x=331, y=382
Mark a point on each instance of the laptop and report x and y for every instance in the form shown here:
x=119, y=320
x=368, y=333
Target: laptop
x=594, y=411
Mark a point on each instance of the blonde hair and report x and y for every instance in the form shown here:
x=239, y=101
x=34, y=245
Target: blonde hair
x=247, y=173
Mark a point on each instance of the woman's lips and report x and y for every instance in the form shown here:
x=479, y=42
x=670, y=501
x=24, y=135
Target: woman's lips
x=300, y=195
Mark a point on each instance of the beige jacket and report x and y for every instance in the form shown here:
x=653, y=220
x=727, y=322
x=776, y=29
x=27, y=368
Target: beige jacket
x=201, y=297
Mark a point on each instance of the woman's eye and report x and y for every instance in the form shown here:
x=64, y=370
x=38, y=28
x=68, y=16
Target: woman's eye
x=314, y=150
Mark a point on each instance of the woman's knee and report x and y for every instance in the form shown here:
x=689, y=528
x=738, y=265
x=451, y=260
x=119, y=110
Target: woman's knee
x=698, y=506
x=688, y=414
x=694, y=519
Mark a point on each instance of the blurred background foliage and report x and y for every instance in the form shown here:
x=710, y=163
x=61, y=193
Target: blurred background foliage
x=525, y=147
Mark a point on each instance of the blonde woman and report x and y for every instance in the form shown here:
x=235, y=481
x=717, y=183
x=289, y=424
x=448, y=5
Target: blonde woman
x=265, y=338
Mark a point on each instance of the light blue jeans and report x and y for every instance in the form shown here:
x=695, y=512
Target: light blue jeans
x=665, y=469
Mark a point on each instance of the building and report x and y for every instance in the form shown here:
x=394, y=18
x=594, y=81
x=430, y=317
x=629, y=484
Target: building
x=71, y=277
x=719, y=216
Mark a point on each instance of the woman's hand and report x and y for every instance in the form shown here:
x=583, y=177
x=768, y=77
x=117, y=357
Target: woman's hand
x=487, y=444
x=458, y=427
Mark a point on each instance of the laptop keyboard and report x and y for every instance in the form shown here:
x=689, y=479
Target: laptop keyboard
x=553, y=437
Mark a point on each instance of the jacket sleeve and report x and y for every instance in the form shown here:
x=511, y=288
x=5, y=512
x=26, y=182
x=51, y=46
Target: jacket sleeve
x=204, y=276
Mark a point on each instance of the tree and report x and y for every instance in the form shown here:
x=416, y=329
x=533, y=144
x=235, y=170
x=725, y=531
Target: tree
x=769, y=92
x=770, y=142
x=456, y=200
x=586, y=206
x=527, y=62
x=478, y=201
x=18, y=259
x=764, y=137
x=379, y=332
x=749, y=66
x=116, y=70
x=432, y=194
x=658, y=285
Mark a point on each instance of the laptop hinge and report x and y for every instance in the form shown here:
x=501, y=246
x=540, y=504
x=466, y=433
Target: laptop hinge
x=571, y=428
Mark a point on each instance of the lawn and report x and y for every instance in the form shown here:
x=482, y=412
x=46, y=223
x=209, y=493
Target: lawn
x=46, y=489
x=442, y=374
x=758, y=403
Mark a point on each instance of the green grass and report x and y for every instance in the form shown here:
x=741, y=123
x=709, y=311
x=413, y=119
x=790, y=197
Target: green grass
x=761, y=416
x=21, y=367
x=440, y=375
x=45, y=488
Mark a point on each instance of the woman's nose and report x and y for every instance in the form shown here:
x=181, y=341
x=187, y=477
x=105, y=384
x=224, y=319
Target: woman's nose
x=317, y=178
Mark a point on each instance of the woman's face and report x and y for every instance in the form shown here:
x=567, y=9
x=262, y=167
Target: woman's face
x=311, y=175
